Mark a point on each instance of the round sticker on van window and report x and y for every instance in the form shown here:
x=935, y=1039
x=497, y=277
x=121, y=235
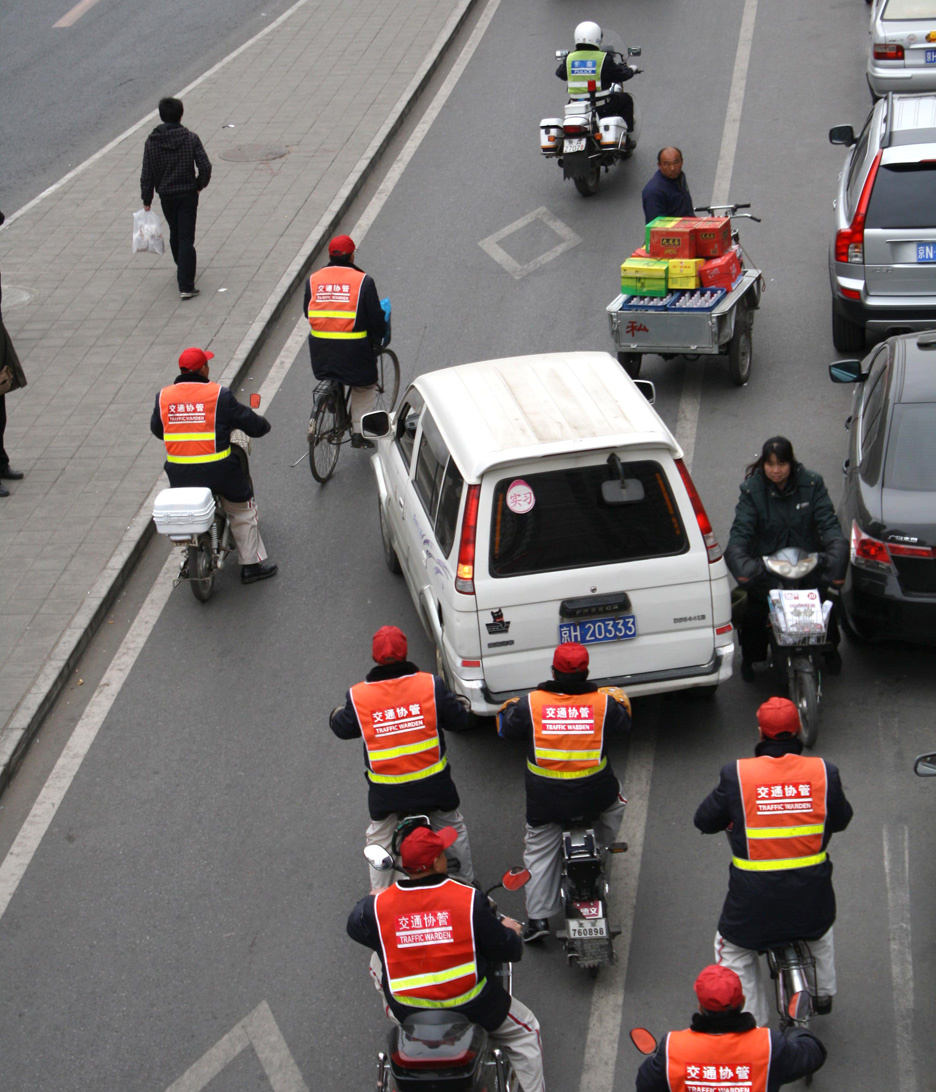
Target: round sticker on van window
x=520, y=497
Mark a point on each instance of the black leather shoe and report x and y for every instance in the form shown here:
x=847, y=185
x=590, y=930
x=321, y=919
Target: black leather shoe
x=536, y=929
x=10, y=474
x=4, y=492
x=357, y=440
x=822, y=1006
x=747, y=671
x=250, y=574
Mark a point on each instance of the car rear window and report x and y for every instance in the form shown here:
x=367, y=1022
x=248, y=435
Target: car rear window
x=911, y=449
x=909, y=9
x=569, y=526
x=904, y=196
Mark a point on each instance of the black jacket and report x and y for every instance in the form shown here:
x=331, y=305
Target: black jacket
x=664, y=196
x=353, y=362
x=793, y=1053
x=227, y=476
x=171, y=155
x=766, y=519
x=436, y=793
x=494, y=943
x=768, y=908
x=553, y=800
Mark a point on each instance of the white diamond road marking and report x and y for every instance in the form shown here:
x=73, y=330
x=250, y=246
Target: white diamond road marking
x=513, y=267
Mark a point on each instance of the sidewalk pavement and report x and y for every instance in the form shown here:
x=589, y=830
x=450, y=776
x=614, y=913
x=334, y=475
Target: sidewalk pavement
x=98, y=329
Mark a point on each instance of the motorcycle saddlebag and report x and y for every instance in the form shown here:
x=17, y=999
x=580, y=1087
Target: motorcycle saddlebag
x=550, y=135
x=188, y=511
x=613, y=132
x=436, y=1051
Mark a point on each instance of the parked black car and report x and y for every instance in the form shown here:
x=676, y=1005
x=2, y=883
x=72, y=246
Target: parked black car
x=889, y=504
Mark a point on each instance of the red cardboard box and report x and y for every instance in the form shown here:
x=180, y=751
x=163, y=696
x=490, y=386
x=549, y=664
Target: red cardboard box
x=712, y=237
x=720, y=272
x=674, y=241
x=640, y=252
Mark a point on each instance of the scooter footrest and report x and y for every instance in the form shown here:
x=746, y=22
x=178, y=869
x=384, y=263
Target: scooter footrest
x=617, y=847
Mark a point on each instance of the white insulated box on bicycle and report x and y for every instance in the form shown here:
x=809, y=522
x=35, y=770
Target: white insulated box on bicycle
x=188, y=511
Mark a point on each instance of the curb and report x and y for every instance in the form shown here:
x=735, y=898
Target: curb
x=42, y=695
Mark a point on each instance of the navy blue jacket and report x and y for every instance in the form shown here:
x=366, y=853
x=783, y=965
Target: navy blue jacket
x=352, y=362
x=664, y=196
x=763, y=909
x=494, y=943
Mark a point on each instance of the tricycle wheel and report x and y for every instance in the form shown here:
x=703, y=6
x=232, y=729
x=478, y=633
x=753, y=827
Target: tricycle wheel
x=630, y=362
x=739, y=348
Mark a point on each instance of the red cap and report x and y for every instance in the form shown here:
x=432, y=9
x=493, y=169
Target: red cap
x=421, y=847
x=570, y=657
x=719, y=988
x=341, y=246
x=778, y=717
x=389, y=645
x=193, y=360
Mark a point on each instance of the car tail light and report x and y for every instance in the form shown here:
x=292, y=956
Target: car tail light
x=574, y=129
x=711, y=542
x=849, y=242
x=888, y=51
x=464, y=573
x=868, y=552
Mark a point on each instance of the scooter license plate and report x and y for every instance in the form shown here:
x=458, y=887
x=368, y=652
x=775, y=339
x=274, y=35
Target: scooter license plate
x=583, y=930
x=575, y=144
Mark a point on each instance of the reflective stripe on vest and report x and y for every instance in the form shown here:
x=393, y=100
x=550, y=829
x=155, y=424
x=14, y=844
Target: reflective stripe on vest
x=784, y=802
x=568, y=734
x=399, y=724
x=696, y=1062
x=188, y=413
x=583, y=65
x=334, y=301
x=427, y=944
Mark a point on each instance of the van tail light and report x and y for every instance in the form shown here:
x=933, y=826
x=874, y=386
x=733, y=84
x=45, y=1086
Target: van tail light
x=888, y=51
x=464, y=572
x=722, y=630
x=871, y=553
x=849, y=242
x=705, y=526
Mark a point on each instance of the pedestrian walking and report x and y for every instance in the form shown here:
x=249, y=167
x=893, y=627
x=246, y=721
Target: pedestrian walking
x=11, y=379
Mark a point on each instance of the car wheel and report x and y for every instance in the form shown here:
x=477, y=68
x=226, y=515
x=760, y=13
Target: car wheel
x=847, y=337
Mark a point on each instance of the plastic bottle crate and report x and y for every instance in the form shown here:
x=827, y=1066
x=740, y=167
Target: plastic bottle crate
x=709, y=299
x=648, y=303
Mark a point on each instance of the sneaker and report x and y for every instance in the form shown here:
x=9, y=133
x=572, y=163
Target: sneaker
x=359, y=441
x=822, y=1005
x=250, y=574
x=192, y=292
x=747, y=671
x=833, y=659
x=536, y=929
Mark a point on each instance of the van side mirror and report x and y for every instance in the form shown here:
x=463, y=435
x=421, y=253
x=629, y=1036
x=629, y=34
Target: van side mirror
x=925, y=766
x=376, y=423
x=647, y=389
x=846, y=371
x=842, y=134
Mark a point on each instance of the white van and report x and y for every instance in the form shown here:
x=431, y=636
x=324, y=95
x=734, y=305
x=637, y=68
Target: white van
x=540, y=499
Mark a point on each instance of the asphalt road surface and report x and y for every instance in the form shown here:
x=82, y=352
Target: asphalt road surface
x=191, y=891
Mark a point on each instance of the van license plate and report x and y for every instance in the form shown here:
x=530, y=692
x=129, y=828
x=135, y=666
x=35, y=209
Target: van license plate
x=930, y=56
x=575, y=145
x=926, y=252
x=581, y=930
x=599, y=630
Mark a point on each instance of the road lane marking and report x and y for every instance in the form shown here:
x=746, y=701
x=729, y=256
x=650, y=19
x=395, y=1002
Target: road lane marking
x=897, y=871
x=260, y=1031
x=71, y=17
x=567, y=236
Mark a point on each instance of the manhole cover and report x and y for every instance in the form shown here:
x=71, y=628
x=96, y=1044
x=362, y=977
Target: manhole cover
x=253, y=153
x=15, y=296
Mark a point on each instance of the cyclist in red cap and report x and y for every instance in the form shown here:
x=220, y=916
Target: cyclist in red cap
x=566, y=722
x=724, y=1048
x=780, y=810
x=347, y=325
x=437, y=940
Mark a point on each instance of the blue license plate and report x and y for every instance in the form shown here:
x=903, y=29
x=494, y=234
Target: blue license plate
x=930, y=56
x=926, y=252
x=599, y=630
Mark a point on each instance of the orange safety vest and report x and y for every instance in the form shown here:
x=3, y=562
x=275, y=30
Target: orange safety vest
x=333, y=306
x=400, y=728
x=738, y=1061
x=428, y=946
x=188, y=412
x=568, y=734
x=784, y=812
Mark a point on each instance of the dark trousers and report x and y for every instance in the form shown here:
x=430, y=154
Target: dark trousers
x=180, y=210
x=619, y=104
x=4, y=458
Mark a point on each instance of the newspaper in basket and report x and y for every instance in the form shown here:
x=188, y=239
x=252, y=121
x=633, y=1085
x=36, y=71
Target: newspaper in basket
x=798, y=616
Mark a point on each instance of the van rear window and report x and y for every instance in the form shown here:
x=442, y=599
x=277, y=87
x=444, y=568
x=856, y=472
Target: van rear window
x=569, y=525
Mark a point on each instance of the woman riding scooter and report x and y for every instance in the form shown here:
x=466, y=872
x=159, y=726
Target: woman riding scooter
x=781, y=504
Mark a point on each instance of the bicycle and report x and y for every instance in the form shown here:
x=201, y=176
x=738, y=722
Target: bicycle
x=793, y=970
x=330, y=424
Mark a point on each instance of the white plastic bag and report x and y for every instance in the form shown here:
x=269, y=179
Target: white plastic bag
x=147, y=233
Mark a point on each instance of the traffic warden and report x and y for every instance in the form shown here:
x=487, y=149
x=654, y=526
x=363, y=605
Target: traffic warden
x=398, y=711
x=566, y=722
x=194, y=417
x=780, y=810
x=437, y=940
x=347, y=325
x=588, y=61
x=725, y=1048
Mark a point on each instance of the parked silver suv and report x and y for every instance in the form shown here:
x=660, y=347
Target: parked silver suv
x=882, y=261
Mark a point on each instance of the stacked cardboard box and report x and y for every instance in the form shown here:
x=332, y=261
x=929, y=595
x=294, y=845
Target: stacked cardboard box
x=682, y=253
x=684, y=272
x=644, y=277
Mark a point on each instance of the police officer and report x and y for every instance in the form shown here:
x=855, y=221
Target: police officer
x=566, y=722
x=436, y=940
x=399, y=710
x=347, y=325
x=194, y=417
x=724, y=1047
x=588, y=61
x=780, y=810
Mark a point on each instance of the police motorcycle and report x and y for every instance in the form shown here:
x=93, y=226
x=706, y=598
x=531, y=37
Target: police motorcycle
x=588, y=936
x=435, y=1049
x=583, y=142
x=195, y=521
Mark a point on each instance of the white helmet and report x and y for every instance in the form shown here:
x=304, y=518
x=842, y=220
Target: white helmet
x=588, y=33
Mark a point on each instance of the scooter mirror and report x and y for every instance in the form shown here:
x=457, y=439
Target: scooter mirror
x=378, y=858
x=924, y=766
x=643, y=1040
x=516, y=878
x=255, y=400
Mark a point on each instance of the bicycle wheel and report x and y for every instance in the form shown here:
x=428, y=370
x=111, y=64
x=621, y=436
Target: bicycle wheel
x=325, y=437
x=388, y=380
x=806, y=698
